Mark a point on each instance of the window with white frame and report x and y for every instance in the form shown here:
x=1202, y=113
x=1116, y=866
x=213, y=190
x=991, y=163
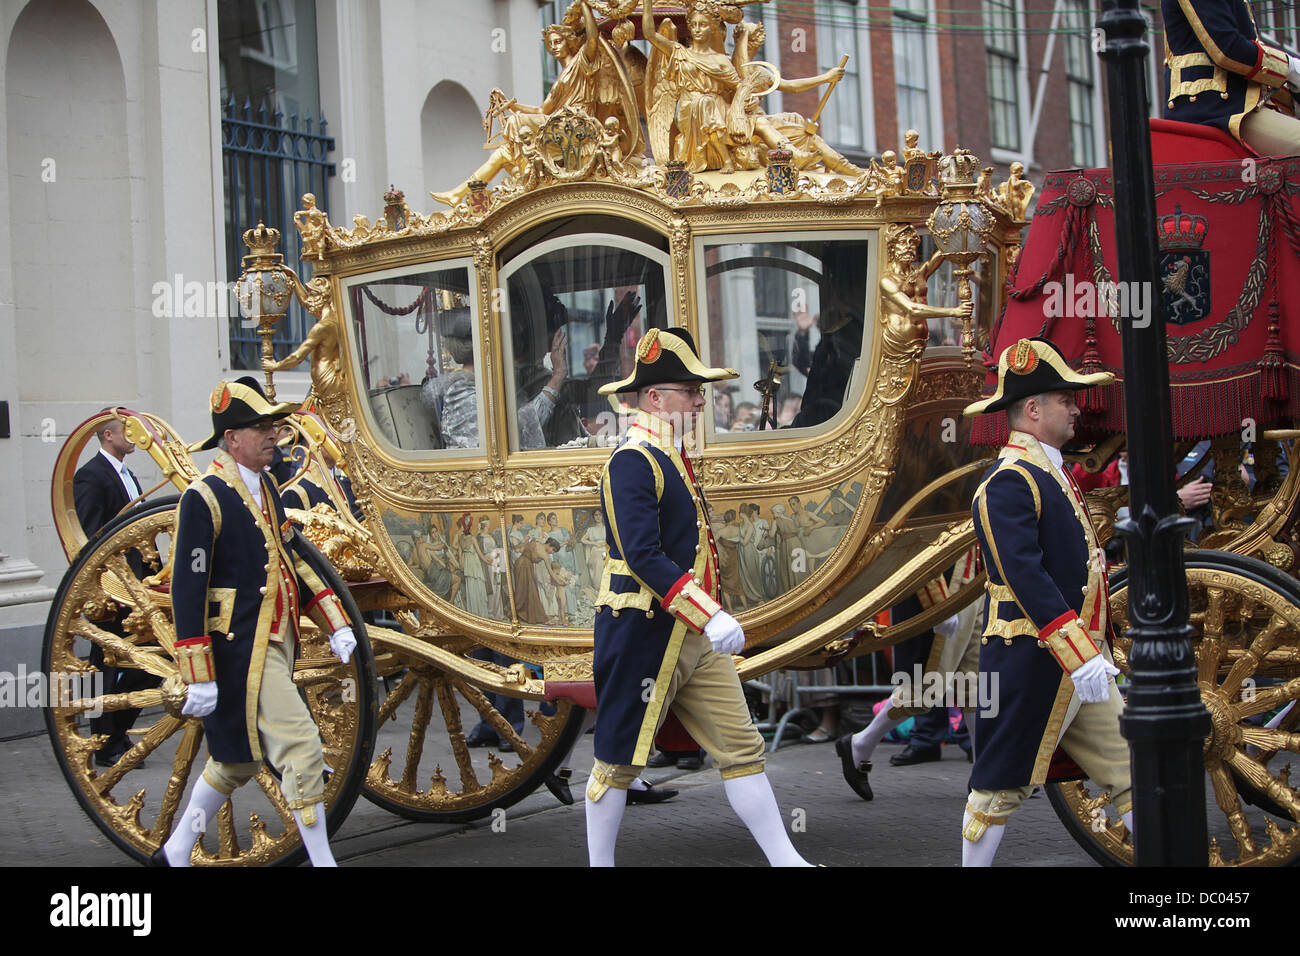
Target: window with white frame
x=1278, y=23
x=1080, y=75
x=915, y=68
x=1002, y=47
x=846, y=121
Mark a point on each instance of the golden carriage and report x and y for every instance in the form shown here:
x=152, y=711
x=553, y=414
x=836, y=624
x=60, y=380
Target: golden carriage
x=455, y=364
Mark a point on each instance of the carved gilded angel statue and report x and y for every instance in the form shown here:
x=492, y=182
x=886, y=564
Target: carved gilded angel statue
x=714, y=100
x=594, y=78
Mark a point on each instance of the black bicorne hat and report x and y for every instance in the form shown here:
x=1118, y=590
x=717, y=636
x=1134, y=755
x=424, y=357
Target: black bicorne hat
x=664, y=356
x=239, y=404
x=1033, y=367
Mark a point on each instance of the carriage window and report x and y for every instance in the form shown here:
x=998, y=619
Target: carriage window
x=576, y=307
x=416, y=343
x=789, y=315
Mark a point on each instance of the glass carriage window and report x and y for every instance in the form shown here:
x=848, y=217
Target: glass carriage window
x=416, y=343
x=813, y=333
x=942, y=290
x=575, y=307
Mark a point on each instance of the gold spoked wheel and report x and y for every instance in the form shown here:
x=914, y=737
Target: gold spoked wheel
x=1246, y=618
x=138, y=799
x=427, y=769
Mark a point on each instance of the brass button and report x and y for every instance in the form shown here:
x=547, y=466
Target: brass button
x=650, y=613
x=614, y=612
x=266, y=567
x=230, y=636
x=262, y=589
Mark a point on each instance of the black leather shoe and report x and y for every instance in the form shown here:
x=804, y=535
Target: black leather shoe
x=650, y=794
x=483, y=740
x=559, y=786
x=159, y=858
x=111, y=752
x=855, y=774
x=661, y=759
x=916, y=755
x=690, y=762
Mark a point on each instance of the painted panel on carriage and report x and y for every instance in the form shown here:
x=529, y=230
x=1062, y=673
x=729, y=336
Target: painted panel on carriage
x=766, y=547
x=769, y=546
x=555, y=558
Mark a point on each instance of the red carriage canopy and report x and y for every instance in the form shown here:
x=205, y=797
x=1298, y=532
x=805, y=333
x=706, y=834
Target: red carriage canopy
x=1229, y=236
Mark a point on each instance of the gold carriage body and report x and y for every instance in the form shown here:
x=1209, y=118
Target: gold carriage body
x=897, y=433
x=479, y=528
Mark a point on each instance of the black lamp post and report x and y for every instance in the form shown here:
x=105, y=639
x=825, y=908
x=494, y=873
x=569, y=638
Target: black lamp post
x=1164, y=721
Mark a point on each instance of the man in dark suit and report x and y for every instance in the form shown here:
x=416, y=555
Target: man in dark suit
x=1047, y=624
x=102, y=487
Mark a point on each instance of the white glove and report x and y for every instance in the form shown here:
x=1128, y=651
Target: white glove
x=201, y=699
x=342, y=643
x=946, y=628
x=1092, y=680
x=725, y=634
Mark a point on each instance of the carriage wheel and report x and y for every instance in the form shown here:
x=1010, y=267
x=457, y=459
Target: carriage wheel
x=1246, y=620
x=137, y=800
x=427, y=719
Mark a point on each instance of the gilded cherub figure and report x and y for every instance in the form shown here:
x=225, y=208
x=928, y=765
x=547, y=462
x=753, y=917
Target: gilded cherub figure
x=313, y=225
x=1016, y=193
x=890, y=177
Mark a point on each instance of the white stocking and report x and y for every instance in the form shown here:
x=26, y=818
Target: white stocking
x=314, y=837
x=981, y=851
x=752, y=798
x=205, y=801
x=603, y=819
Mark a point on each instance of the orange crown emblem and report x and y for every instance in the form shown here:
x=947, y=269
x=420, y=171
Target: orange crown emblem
x=221, y=397
x=1023, y=359
x=649, y=349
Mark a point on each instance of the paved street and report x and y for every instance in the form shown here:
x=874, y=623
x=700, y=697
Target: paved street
x=913, y=821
